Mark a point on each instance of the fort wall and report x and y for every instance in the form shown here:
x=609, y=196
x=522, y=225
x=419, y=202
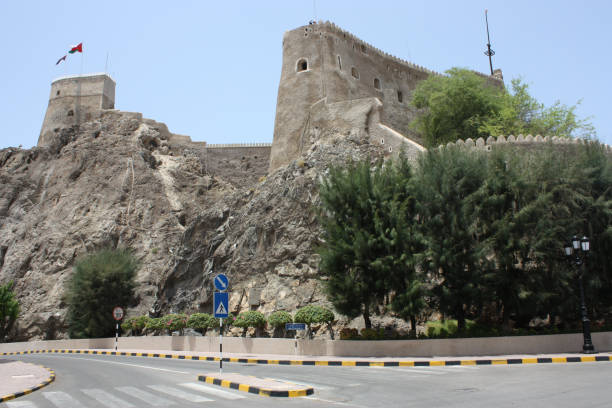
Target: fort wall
x=74, y=100
x=323, y=62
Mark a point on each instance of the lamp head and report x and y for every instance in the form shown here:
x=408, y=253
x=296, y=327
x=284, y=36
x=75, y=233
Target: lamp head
x=585, y=245
x=568, y=250
x=576, y=243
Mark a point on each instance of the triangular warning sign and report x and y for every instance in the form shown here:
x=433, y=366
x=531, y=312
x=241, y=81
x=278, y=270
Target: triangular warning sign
x=221, y=309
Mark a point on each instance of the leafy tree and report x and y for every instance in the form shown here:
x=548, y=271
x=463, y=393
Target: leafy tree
x=465, y=105
x=100, y=282
x=250, y=318
x=278, y=320
x=313, y=314
x=455, y=106
x=9, y=310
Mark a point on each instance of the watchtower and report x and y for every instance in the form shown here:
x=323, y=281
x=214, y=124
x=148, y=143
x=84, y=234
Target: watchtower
x=75, y=99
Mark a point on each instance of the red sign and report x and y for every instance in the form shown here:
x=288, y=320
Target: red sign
x=118, y=313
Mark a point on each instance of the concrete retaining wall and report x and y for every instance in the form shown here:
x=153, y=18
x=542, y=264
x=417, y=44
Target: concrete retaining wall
x=486, y=346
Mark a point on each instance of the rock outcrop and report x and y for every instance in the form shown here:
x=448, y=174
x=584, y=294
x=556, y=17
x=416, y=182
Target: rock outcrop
x=121, y=181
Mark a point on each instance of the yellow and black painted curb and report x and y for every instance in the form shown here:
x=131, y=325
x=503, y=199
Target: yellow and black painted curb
x=29, y=390
x=343, y=363
x=256, y=390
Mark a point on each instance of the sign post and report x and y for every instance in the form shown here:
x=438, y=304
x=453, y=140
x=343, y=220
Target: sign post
x=118, y=314
x=295, y=327
x=220, y=309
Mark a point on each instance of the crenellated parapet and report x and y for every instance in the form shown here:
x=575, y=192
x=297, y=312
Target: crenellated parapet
x=520, y=140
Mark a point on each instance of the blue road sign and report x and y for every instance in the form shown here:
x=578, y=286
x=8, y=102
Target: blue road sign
x=295, y=326
x=221, y=282
x=221, y=304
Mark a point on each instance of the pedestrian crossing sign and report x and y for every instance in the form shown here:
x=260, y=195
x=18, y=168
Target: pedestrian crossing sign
x=220, y=304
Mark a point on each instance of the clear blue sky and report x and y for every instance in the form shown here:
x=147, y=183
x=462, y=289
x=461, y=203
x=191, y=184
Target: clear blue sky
x=210, y=70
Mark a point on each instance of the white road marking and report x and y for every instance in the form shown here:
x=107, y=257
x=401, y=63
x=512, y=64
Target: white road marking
x=62, y=400
x=175, y=392
x=151, y=399
x=410, y=370
x=333, y=402
x=212, y=390
x=299, y=382
x=127, y=364
x=23, y=376
x=20, y=404
x=106, y=398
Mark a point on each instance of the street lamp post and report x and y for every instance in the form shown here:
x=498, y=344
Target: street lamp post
x=580, y=248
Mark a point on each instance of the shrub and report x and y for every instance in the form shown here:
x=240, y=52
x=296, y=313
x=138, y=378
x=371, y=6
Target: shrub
x=154, y=325
x=251, y=318
x=313, y=314
x=9, y=309
x=279, y=319
x=173, y=322
x=372, y=334
x=135, y=324
x=100, y=282
x=349, y=334
x=201, y=322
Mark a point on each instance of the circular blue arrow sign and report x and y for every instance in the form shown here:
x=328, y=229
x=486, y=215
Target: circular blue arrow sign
x=221, y=282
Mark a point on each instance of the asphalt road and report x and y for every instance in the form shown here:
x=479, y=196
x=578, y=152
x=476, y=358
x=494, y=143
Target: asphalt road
x=124, y=382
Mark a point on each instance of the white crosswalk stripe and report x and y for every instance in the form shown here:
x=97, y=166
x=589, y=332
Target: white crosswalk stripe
x=175, y=392
x=151, y=399
x=107, y=399
x=213, y=390
x=62, y=400
x=20, y=404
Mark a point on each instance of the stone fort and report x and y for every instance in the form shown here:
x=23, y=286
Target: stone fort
x=330, y=80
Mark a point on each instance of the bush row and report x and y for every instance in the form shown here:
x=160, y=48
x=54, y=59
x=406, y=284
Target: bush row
x=201, y=322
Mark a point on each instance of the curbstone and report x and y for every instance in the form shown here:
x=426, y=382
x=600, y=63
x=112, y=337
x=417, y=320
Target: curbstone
x=256, y=390
x=27, y=391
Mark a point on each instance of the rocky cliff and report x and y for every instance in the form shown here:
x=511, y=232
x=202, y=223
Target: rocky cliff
x=121, y=181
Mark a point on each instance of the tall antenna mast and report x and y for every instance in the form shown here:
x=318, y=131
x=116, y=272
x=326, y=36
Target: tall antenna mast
x=489, y=52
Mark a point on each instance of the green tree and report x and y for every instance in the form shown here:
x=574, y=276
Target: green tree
x=278, y=320
x=360, y=240
x=465, y=105
x=445, y=183
x=9, y=310
x=456, y=106
x=313, y=314
x=250, y=318
x=100, y=281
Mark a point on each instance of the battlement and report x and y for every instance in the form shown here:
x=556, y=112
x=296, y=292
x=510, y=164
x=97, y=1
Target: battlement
x=519, y=140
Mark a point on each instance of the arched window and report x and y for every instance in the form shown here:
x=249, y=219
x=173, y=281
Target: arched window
x=354, y=73
x=377, y=83
x=400, y=96
x=302, y=65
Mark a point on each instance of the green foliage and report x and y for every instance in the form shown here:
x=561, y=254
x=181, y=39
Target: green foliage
x=349, y=334
x=365, y=215
x=154, y=325
x=135, y=325
x=201, y=322
x=9, y=310
x=251, y=318
x=313, y=314
x=465, y=105
x=100, y=281
x=174, y=322
x=455, y=106
x=372, y=334
x=279, y=318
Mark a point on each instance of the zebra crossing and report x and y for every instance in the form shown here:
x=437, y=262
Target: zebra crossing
x=159, y=395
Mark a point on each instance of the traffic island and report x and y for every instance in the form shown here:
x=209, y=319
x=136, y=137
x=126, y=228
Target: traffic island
x=262, y=386
x=18, y=379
